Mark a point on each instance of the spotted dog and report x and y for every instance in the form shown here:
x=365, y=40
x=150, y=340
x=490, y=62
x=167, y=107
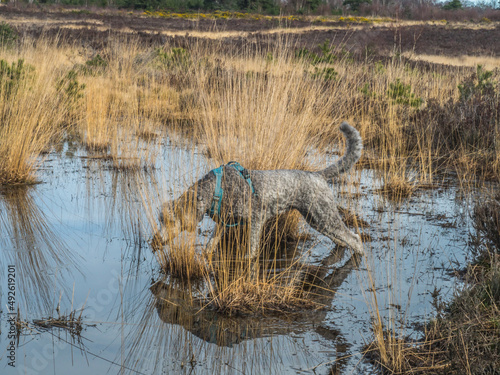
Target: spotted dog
x=236, y=196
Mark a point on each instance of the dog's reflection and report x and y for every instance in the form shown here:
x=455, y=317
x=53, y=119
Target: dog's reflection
x=175, y=304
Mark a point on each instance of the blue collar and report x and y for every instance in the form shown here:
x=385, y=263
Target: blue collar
x=219, y=192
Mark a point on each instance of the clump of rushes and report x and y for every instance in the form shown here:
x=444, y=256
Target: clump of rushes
x=283, y=293
x=397, y=183
x=397, y=188
x=98, y=123
x=32, y=109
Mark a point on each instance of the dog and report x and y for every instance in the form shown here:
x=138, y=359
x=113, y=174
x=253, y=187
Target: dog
x=232, y=195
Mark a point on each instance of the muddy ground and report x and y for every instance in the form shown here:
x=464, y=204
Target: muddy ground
x=376, y=39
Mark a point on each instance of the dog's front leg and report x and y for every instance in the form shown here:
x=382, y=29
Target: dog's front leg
x=214, y=239
x=256, y=228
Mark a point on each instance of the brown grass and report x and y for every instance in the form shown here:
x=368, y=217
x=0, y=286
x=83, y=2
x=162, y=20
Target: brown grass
x=30, y=113
x=98, y=125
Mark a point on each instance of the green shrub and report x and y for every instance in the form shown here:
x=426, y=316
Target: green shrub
x=95, y=65
x=401, y=94
x=328, y=55
x=8, y=36
x=327, y=74
x=11, y=77
x=174, y=58
x=477, y=85
x=70, y=89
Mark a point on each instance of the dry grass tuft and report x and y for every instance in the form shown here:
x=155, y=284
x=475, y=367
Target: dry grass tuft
x=71, y=323
x=182, y=261
x=244, y=296
x=32, y=107
x=401, y=356
x=398, y=187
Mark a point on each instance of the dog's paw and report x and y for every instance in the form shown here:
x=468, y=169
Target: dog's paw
x=359, y=251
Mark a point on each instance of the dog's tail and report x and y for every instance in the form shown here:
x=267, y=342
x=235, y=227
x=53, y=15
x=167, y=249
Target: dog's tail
x=351, y=156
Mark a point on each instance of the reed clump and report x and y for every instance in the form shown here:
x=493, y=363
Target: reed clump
x=32, y=108
x=242, y=296
x=398, y=187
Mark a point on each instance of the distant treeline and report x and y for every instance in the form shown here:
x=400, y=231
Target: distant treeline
x=459, y=10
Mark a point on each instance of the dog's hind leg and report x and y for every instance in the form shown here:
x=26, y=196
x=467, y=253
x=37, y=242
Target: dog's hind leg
x=328, y=222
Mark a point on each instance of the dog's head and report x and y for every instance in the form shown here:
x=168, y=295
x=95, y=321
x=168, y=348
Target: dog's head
x=170, y=227
x=180, y=215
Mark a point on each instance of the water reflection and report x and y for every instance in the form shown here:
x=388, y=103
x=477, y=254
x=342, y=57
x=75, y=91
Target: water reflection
x=178, y=325
x=128, y=200
x=28, y=241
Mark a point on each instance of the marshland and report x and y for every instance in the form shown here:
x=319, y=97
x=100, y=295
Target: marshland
x=105, y=115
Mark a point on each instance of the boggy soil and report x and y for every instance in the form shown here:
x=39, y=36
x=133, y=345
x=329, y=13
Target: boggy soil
x=373, y=38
